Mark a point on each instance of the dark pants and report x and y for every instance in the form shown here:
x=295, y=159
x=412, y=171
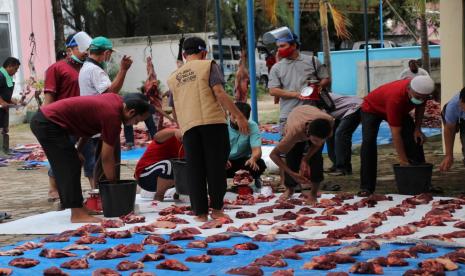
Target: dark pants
x=63, y=158
x=293, y=159
x=340, y=144
x=369, y=151
x=207, y=151
x=462, y=137
x=129, y=130
x=239, y=164
x=4, y=125
x=99, y=174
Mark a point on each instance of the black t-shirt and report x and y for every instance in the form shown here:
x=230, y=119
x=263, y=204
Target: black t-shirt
x=5, y=92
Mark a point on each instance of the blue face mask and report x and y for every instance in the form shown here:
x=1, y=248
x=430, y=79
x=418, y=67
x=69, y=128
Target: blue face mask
x=416, y=101
x=75, y=58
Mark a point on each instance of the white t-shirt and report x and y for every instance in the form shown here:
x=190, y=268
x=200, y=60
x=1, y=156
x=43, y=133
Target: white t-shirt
x=409, y=74
x=92, y=79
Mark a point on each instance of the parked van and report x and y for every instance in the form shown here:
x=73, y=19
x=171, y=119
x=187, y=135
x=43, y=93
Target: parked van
x=373, y=44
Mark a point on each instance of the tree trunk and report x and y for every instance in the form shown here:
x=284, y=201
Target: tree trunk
x=58, y=23
x=425, y=60
x=324, y=34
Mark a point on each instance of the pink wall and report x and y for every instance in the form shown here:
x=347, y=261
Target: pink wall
x=42, y=25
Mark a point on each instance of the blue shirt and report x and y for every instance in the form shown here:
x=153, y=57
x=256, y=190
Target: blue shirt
x=241, y=145
x=453, y=111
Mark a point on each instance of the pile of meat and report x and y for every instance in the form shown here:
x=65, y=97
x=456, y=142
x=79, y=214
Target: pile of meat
x=242, y=177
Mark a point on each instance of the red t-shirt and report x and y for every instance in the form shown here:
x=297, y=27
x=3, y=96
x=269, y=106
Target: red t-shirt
x=62, y=79
x=390, y=101
x=156, y=152
x=87, y=116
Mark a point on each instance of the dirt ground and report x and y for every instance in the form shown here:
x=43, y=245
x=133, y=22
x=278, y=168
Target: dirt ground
x=24, y=193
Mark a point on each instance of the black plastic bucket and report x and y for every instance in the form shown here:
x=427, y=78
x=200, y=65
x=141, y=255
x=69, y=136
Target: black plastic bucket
x=180, y=176
x=413, y=179
x=118, y=198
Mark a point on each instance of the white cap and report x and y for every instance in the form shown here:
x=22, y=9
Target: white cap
x=422, y=85
x=83, y=41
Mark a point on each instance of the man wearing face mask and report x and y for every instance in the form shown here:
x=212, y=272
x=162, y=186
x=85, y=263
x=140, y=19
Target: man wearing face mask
x=393, y=102
x=412, y=71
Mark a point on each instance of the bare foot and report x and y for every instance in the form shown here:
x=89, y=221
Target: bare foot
x=159, y=197
x=218, y=214
x=287, y=194
x=53, y=196
x=309, y=198
x=81, y=215
x=201, y=218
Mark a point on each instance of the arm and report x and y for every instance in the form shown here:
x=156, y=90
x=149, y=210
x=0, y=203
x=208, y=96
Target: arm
x=278, y=92
x=275, y=156
x=108, y=161
x=419, y=113
x=165, y=134
x=49, y=98
x=117, y=83
x=449, y=139
x=325, y=82
x=81, y=143
x=399, y=145
x=228, y=105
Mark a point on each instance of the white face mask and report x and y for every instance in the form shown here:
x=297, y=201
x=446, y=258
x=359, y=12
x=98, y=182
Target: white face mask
x=416, y=101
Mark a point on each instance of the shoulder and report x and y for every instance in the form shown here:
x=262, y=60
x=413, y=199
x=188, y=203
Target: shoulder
x=253, y=126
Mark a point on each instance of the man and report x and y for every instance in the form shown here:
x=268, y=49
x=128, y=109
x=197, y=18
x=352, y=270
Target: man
x=241, y=82
x=83, y=117
x=393, y=102
x=93, y=80
x=453, y=115
x=199, y=103
x=246, y=150
x=307, y=125
x=62, y=82
x=347, y=115
x=412, y=71
x=7, y=86
x=154, y=171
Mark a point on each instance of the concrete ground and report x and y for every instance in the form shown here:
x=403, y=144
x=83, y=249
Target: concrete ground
x=24, y=193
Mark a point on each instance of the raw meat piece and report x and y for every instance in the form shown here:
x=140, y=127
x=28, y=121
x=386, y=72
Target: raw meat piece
x=366, y=268
x=323, y=242
x=246, y=246
x=23, y=262
x=55, y=238
x=91, y=240
x=308, y=221
x=225, y=220
x=151, y=257
x=389, y=261
x=379, y=197
x=245, y=214
x=266, y=209
x=448, y=264
x=107, y=254
x=306, y=211
x=421, y=272
x=402, y=253
x=74, y=233
x=191, y=230
x=105, y=272
x=197, y=244
x=172, y=265
x=199, y=259
x=12, y=252
x=246, y=270
x=154, y=240
x=302, y=248
x=77, y=247
x=349, y=207
x=286, y=254
x=418, y=199
x=349, y=250
x=55, y=253
x=112, y=223
x=173, y=210
x=436, y=212
x=52, y=271
x=287, y=272
x=455, y=235
x=344, y=196
x=217, y=238
x=286, y=228
x=221, y=251
x=249, y=226
x=119, y=234
x=460, y=224
x=132, y=218
x=29, y=246
x=76, y=264
x=265, y=238
x=429, y=221
x=164, y=224
x=265, y=222
x=128, y=265
x=458, y=257
x=337, y=274
x=284, y=205
x=437, y=237
x=142, y=273
x=173, y=219
x=404, y=230
x=432, y=266
x=368, y=245
x=286, y=216
x=143, y=229
x=91, y=228
x=422, y=248
x=331, y=218
x=270, y=261
x=340, y=258
x=321, y=263
x=343, y=234
x=242, y=177
x=6, y=271
x=170, y=249
x=181, y=235
x=129, y=248
x=395, y=211
x=333, y=211
x=233, y=229
x=211, y=224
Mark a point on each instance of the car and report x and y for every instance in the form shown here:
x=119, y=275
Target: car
x=373, y=44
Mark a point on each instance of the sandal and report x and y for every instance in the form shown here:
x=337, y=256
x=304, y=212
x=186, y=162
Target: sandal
x=4, y=215
x=364, y=193
x=331, y=187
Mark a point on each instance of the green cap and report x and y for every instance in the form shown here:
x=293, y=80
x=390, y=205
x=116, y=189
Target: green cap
x=101, y=43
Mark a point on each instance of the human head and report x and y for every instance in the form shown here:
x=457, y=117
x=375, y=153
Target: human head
x=318, y=131
x=72, y=48
x=11, y=65
x=420, y=89
x=101, y=49
x=136, y=109
x=413, y=65
x=244, y=108
x=194, y=46
x=287, y=47
x=462, y=99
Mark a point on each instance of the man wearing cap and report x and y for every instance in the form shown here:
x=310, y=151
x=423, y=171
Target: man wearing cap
x=200, y=103
x=453, y=117
x=62, y=82
x=393, y=102
x=412, y=71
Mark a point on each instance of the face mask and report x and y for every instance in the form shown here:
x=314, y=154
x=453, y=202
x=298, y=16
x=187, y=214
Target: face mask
x=104, y=65
x=285, y=52
x=75, y=58
x=416, y=101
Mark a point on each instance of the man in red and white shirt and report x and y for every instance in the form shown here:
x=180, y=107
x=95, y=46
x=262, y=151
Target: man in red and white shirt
x=393, y=102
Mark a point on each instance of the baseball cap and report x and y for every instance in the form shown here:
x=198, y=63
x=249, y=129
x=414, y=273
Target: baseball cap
x=194, y=44
x=422, y=85
x=101, y=43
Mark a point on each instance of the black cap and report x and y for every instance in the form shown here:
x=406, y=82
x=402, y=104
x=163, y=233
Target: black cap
x=194, y=45
x=140, y=96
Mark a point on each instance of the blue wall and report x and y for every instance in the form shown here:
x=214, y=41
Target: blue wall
x=344, y=64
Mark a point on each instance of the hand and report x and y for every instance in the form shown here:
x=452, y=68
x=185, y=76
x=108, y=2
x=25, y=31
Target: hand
x=81, y=158
x=296, y=95
x=125, y=63
x=404, y=163
x=228, y=165
x=243, y=125
x=299, y=178
x=446, y=163
x=252, y=164
x=304, y=168
x=419, y=136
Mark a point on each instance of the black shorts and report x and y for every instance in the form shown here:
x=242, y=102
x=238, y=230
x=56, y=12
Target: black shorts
x=148, y=177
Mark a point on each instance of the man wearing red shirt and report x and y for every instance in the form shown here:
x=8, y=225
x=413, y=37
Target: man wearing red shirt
x=154, y=171
x=83, y=117
x=393, y=102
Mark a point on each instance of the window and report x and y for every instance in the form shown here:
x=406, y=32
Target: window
x=226, y=52
x=5, y=44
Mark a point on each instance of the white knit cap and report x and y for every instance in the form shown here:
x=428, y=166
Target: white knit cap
x=422, y=85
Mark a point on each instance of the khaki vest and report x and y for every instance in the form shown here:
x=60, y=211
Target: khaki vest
x=194, y=100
